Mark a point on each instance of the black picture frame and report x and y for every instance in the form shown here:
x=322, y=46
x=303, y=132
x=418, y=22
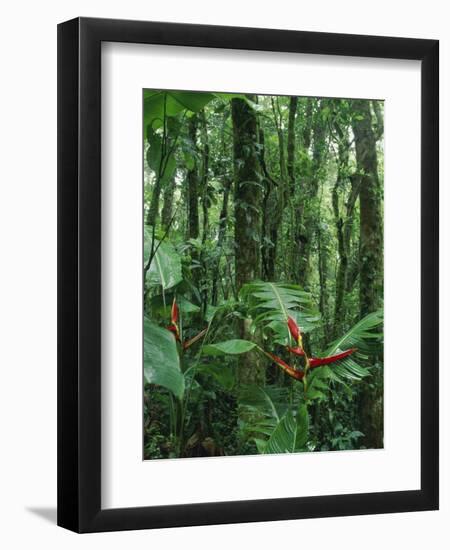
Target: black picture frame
x=79, y=274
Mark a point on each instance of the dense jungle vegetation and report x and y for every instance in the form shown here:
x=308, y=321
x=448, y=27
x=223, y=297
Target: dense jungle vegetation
x=263, y=274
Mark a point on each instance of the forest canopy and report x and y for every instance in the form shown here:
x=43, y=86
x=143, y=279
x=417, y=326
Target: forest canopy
x=263, y=274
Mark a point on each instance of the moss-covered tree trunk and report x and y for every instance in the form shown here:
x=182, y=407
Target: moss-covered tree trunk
x=193, y=224
x=192, y=181
x=344, y=221
x=310, y=198
x=167, y=209
x=370, y=261
x=247, y=211
x=220, y=241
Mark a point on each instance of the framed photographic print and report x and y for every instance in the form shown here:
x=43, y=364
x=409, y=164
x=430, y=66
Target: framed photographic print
x=248, y=275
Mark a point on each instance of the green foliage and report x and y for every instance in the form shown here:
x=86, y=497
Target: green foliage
x=278, y=425
x=162, y=162
x=270, y=304
x=161, y=104
x=290, y=434
x=161, y=361
x=165, y=267
x=231, y=347
x=366, y=337
x=305, y=264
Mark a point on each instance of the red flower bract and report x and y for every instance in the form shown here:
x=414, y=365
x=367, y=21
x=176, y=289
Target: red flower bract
x=175, y=314
x=293, y=329
x=296, y=351
x=318, y=362
x=294, y=373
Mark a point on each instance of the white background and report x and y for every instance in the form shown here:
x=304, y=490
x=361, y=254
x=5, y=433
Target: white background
x=126, y=479
x=28, y=286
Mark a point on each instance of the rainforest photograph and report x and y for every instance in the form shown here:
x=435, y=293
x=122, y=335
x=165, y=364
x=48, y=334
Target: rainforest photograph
x=262, y=274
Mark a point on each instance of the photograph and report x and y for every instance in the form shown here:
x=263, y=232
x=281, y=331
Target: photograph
x=263, y=274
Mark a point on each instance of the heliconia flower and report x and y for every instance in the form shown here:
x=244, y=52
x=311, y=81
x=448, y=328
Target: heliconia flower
x=174, y=329
x=293, y=328
x=296, y=351
x=294, y=373
x=175, y=314
x=318, y=362
x=295, y=331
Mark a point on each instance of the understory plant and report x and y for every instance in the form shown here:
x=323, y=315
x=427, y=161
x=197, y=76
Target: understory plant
x=281, y=318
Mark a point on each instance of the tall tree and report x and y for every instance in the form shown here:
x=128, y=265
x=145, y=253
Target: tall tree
x=370, y=260
x=291, y=142
x=224, y=174
x=223, y=216
x=344, y=222
x=167, y=209
x=247, y=211
x=311, y=188
x=298, y=196
x=192, y=181
x=193, y=224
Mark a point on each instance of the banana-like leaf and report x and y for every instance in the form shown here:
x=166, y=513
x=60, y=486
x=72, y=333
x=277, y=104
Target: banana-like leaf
x=165, y=269
x=161, y=360
x=229, y=347
x=269, y=401
x=223, y=374
x=279, y=427
x=290, y=434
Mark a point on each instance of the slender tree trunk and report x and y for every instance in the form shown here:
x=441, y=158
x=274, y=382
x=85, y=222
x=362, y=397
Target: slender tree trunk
x=167, y=209
x=153, y=211
x=220, y=240
x=192, y=180
x=344, y=224
x=193, y=225
x=205, y=209
x=293, y=102
x=310, y=217
x=299, y=197
x=324, y=297
x=247, y=210
x=370, y=261
x=204, y=182
x=271, y=215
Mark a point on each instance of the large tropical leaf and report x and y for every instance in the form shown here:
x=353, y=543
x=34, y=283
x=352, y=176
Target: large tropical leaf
x=270, y=305
x=161, y=360
x=264, y=408
x=276, y=424
x=290, y=434
x=367, y=337
x=229, y=347
x=163, y=164
x=158, y=104
x=271, y=401
x=222, y=373
x=165, y=268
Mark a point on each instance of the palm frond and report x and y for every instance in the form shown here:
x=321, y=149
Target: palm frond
x=270, y=305
x=366, y=336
